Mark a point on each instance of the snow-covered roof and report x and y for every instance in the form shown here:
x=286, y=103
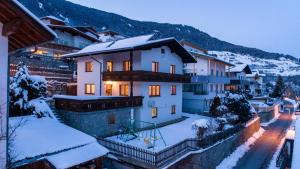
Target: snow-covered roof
x=240, y=68
x=47, y=138
x=254, y=73
x=259, y=104
x=133, y=43
x=293, y=102
x=52, y=17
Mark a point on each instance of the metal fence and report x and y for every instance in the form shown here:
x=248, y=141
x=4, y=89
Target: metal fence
x=170, y=153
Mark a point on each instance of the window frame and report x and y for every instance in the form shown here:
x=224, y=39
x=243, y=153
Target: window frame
x=173, y=109
x=105, y=86
x=112, y=66
x=155, y=66
x=125, y=64
x=86, y=66
x=89, y=86
x=121, y=93
x=172, y=69
x=173, y=87
x=154, y=112
x=156, y=92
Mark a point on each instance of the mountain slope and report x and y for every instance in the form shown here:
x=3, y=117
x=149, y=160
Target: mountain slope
x=80, y=15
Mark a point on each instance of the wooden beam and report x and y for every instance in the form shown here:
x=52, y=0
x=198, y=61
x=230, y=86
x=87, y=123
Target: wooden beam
x=11, y=27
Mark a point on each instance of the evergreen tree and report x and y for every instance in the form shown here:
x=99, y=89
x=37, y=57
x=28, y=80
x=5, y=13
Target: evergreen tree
x=279, y=88
x=239, y=105
x=215, y=104
x=26, y=93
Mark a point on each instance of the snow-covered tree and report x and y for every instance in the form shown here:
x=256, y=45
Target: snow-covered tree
x=239, y=105
x=279, y=88
x=26, y=93
x=213, y=107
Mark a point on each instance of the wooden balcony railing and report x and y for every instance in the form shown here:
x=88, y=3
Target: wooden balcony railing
x=145, y=76
x=101, y=103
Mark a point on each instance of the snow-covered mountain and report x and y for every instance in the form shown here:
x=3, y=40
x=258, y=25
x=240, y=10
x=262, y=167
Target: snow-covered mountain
x=272, y=67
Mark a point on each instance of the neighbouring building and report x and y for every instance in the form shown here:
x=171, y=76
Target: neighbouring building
x=256, y=83
x=109, y=35
x=208, y=78
x=45, y=143
x=133, y=72
x=44, y=59
x=289, y=105
x=15, y=24
x=238, y=79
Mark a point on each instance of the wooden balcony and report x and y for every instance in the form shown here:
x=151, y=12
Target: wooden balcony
x=77, y=104
x=145, y=76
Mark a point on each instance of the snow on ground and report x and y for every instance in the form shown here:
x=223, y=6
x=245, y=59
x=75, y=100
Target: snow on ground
x=282, y=66
x=230, y=161
x=276, y=116
x=172, y=134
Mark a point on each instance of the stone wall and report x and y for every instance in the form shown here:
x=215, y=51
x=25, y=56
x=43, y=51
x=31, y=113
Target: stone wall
x=99, y=123
x=213, y=156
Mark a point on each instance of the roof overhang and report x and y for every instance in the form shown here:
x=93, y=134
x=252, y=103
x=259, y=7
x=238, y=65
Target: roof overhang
x=170, y=42
x=22, y=27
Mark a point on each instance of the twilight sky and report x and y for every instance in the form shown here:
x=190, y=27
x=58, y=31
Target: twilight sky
x=271, y=25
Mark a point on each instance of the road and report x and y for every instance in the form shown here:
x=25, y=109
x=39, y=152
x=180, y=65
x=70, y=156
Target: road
x=261, y=153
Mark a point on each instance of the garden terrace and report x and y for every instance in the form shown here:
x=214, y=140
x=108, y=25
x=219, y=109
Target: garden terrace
x=95, y=103
x=145, y=76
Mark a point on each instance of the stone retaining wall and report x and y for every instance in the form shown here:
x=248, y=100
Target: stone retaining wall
x=213, y=156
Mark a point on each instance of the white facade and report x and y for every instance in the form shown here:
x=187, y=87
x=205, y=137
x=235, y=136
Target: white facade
x=208, y=80
x=3, y=95
x=142, y=60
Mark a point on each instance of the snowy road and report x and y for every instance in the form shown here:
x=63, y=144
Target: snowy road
x=261, y=153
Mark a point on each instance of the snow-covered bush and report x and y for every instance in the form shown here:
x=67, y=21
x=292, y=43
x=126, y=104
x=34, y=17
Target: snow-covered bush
x=204, y=127
x=213, y=107
x=26, y=92
x=239, y=105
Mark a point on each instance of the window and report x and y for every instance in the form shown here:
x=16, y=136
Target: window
x=211, y=87
x=89, y=88
x=217, y=87
x=162, y=51
x=154, y=112
x=126, y=65
x=217, y=73
x=108, y=89
x=154, y=90
x=221, y=74
x=111, y=119
x=154, y=66
x=212, y=72
x=88, y=66
x=173, y=89
x=124, y=90
x=173, y=109
x=172, y=69
x=109, y=66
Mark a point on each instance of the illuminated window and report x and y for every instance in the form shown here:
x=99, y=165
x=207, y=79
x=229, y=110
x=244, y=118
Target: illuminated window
x=88, y=66
x=154, y=90
x=89, y=88
x=173, y=89
x=173, y=109
x=172, y=69
x=126, y=65
x=154, y=66
x=109, y=66
x=108, y=89
x=154, y=112
x=124, y=90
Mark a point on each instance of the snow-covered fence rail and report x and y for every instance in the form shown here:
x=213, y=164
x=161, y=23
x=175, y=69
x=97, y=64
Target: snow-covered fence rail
x=170, y=153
